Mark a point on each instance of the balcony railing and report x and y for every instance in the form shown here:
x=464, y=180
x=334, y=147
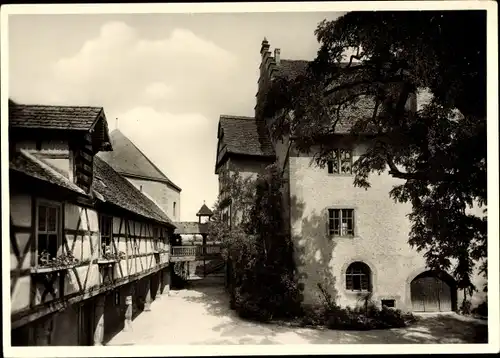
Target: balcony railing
x=194, y=252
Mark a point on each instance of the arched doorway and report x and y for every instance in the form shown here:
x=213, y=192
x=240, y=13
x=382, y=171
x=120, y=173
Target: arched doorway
x=433, y=292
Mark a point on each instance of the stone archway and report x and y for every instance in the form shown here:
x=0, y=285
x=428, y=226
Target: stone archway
x=433, y=292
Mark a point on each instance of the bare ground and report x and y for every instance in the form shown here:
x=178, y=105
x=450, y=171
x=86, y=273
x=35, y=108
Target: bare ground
x=201, y=315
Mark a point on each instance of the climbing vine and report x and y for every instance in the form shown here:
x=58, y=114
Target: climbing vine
x=260, y=253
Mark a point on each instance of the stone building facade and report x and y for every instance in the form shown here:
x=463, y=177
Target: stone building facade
x=352, y=241
x=129, y=161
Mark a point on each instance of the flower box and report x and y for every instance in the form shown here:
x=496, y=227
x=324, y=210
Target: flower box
x=104, y=261
x=49, y=269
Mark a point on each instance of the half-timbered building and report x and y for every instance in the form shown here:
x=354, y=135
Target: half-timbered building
x=88, y=250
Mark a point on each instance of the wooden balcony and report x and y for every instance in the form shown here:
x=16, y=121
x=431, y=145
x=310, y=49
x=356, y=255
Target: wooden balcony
x=194, y=253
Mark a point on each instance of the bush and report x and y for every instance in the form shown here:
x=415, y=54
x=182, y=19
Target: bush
x=465, y=307
x=482, y=309
x=262, y=281
x=365, y=317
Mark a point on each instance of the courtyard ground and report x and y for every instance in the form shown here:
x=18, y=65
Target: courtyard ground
x=201, y=315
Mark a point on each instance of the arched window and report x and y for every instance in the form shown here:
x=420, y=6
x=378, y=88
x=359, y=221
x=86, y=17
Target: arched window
x=358, y=277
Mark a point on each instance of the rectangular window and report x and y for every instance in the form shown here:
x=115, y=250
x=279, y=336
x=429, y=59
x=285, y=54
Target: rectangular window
x=106, y=231
x=48, y=229
x=340, y=162
x=389, y=303
x=341, y=222
x=174, y=209
x=156, y=237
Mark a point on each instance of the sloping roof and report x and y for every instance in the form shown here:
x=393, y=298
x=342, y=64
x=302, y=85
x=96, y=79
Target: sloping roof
x=116, y=189
x=52, y=117
x=129, y=160
x=190, y=227
x=243, y=135
x=291, y=68
x=204, y=211
x=109, y=185
x=349, y=114
x=32, y=166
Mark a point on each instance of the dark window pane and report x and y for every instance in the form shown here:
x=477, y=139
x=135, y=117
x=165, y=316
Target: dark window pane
x=330, y=167
x=345, y=161
x=364, y=282
x=52, y=245
x=336, y=213
x=336, y=226
x=42, y=243
x=356, y=283
x=52, y=219
x=348, y=283
x=42, y=215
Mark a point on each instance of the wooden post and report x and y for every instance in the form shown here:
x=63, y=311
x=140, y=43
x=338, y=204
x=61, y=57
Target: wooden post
x=129, y=310
x=43, y=332
x=99, y=319
x=147, y=301
x=166, y=281
x=159, y=279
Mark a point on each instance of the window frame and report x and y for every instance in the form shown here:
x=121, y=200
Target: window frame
x=337, y=152
x=341, y=234
x=368, y=274
x=110, y=217
x=59, y=226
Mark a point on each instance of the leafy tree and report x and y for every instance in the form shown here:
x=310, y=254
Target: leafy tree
x=438, y=150
x=262, y=281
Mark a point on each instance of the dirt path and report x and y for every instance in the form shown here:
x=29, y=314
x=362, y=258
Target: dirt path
x=200, y=315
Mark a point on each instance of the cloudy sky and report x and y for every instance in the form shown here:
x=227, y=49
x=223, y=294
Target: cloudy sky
x=166, y=77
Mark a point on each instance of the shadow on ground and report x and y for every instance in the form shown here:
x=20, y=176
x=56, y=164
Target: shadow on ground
x=231, y=329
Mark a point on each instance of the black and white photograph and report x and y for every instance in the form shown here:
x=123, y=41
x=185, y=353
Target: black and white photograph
x=251, y=178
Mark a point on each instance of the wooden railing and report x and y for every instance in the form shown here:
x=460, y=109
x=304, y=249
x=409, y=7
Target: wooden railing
x=195, y=251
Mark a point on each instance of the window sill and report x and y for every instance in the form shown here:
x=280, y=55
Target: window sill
x=107, y=261
x=351, y=292
x=340, y=175
x=43, y=270
x=333, y=237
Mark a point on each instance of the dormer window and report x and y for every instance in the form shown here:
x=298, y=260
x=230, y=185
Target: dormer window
x=340, y=161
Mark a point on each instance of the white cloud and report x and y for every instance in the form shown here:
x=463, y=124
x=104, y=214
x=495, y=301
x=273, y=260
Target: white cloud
x=183, y=146
x=120, y=69
x=157, y=91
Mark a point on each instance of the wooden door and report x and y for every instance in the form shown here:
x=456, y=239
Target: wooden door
x=430, y=294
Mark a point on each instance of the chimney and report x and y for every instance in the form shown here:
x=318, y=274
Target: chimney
x=264, y=48
x=277, y=56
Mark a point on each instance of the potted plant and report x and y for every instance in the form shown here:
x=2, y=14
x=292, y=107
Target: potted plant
x=58, y=263
x=109, y=256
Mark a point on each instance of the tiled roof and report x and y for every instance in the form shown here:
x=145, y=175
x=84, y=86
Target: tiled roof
x=190, y=227
x=244, y=135
x=116, y=189
x=127, y=159
x=52, y=117
x=32, y=166
x=204, y=210
x=109, y=185
x=291, y=68
x=349, y=114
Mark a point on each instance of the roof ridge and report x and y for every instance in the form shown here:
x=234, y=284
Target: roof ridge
x=236, y=117
x=53, y=105
x=145, y=157
x=151, y=213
